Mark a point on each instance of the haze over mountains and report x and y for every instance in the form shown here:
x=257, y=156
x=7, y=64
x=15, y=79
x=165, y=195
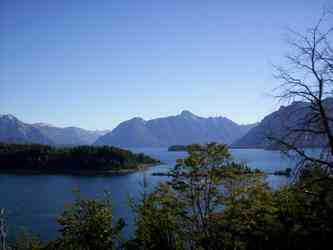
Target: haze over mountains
x=182, y=129
x=279, y=124
x=185, y=128
x=12, y=130
x=69, y=135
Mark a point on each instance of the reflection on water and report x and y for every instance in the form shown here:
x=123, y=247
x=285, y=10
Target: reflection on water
x=35, y=201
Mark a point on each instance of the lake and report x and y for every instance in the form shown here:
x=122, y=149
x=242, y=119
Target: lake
x=34, y=201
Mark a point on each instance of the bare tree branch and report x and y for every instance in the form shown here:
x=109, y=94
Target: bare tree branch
x=310, y=80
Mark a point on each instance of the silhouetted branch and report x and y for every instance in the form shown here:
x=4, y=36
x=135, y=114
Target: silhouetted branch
x=309, y=80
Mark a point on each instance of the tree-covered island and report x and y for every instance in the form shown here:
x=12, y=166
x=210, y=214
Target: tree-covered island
x=34, y=158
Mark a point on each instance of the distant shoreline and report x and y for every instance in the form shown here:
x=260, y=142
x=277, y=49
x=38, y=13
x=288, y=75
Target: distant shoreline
x=183, y=148
x=270, y=148
x=78, y=172
x=81, y=160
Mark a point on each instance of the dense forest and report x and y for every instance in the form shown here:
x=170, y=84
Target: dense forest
x=80, y=159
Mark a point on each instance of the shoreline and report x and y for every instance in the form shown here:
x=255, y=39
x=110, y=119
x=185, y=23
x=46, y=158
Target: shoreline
x=142, y=167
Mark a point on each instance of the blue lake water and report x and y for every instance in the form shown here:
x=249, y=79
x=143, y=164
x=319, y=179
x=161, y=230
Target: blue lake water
x=34, y=201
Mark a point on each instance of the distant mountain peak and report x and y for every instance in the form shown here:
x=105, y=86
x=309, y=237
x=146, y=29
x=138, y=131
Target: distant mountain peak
x=181, y=129
x=281, y=124
x=12, y=130
x=68, y=135
x=8, y=116
x=42, y=124
x=188, y=114
x=138, y=118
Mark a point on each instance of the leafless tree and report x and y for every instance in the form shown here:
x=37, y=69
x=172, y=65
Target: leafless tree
x=308, y=77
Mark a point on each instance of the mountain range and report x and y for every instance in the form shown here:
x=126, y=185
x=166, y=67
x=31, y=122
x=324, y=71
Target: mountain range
x=185, y=128
x=12, y=130
x=182, y=129
x=69, y=135
x=282, y=125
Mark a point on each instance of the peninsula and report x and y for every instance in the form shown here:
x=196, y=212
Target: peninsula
x=80, y=160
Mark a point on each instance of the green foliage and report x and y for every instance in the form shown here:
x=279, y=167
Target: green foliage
x=182, y=214
x=26, y=241
x=87, y=225
x=158, y=221
x=214, y=203
x=249, y=217
x=82, y=158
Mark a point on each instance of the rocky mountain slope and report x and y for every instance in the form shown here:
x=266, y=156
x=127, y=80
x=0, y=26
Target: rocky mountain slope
x=185, y=128
x=12, y=130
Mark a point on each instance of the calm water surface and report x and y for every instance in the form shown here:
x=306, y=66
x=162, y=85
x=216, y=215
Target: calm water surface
x=35, y=201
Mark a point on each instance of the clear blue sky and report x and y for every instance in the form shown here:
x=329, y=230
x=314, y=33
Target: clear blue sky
x=96, y=63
